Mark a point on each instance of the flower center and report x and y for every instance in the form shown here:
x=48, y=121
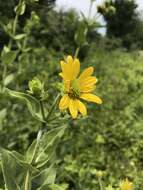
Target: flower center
x=74, y=89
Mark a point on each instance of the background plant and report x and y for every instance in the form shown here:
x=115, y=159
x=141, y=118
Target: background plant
x=110, y=140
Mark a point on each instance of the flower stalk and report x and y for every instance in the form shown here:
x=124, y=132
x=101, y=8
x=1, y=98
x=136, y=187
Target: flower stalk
x=53, y=107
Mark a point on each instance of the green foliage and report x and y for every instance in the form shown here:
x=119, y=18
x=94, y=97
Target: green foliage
x=18, y=168
x=8, y=57
x=124, y=23
x=111, y=139
x=87, y=153
x=32, y=104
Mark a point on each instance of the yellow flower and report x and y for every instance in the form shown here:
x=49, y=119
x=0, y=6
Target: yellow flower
x=77, y=88
x=126, y=185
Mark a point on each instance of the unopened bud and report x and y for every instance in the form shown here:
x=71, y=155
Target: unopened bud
x=35, y=87
x=99, y=173
x=111, y=10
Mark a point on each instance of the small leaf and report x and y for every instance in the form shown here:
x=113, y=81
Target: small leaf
x=32, y=104
x=3, y=113
x=8, y=79
x=9, y=57
x=45, y=177
x=80, y=36
x=46, y=147
x=19, y=36
x=56, y=187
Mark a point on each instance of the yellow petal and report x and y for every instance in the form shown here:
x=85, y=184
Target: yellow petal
x=81, y=107
x=76, y=68
x=73, y=108
x=68, y=68
x=88, y=81
x=73, y=67
x=91, y=98
x=63, y=66
x=126, y=185
x=87, y=89
x=64, y=102
x=67, y=85
x=69, y=59
x=65, y=70
x=86, y=73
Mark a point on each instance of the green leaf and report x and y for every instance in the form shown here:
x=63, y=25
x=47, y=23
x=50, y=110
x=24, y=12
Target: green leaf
x=44, y=187
x=20, y=8
x=19, y=36
x=14, y=171
x=51, y=187
x=56, y=187
x=80, y=36
x=9, y=57
x=32, y=104
x=8, y=79
x=46, y=147
x=3, y=113
x=45, y=177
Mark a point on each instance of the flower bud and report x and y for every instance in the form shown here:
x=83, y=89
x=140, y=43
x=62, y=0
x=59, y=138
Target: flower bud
x=36, y=88
x=111, y=10
x=35, y=17
x=99, y=173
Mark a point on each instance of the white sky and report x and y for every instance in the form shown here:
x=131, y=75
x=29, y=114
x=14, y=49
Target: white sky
x=83, y=5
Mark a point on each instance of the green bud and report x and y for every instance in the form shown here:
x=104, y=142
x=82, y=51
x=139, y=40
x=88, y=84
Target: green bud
x=111, y=10
x=36, y=88
x=35, y=17
x=109, y=187
x=99, y=173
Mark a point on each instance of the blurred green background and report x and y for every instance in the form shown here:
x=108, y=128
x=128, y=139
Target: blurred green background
x=111, y=138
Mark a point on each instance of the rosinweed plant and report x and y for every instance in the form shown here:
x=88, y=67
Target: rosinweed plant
x=36, y=169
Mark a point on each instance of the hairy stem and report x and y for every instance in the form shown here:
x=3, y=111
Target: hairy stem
x=42, y=110
x=100, y=183
x=27, y=181
x=14, y=30
x=77, y=52
x=52, y=107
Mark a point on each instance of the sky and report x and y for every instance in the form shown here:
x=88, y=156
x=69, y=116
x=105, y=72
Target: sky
x=83, y=5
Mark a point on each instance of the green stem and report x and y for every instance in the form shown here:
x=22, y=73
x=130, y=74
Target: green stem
x=100, y=183
x=52, y=107
x=4, y=73
x=15, y=24
x=77, y=52
x=42, y=110
x=27, y=181
x=14, y=30
x=39, y=133
x=36, y=146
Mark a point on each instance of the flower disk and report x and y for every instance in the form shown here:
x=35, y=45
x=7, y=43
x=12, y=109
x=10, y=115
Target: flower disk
x=77, y=87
